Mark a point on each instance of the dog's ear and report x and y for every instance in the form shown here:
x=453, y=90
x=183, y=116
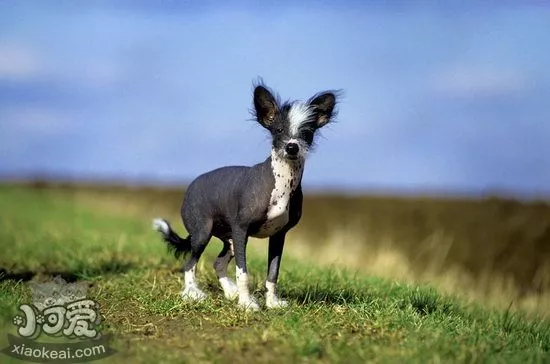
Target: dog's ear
x=265, y=105
x=323, y=104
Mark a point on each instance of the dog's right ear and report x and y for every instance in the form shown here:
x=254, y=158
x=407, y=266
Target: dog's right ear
x=265, y=105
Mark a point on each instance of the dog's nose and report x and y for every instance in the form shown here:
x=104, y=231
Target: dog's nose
x=292, y=148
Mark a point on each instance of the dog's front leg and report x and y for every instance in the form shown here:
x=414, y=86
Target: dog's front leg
x=246, y=300
x=276, y=244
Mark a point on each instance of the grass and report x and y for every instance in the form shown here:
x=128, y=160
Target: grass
x=336, y=314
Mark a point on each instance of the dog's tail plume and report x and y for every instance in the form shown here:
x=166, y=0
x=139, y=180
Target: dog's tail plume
x=176, y=244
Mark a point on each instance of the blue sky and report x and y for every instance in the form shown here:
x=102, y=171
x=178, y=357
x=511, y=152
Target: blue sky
x=437, y=95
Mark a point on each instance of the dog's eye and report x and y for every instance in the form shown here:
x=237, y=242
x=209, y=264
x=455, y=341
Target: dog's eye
x=278, y=130
x=307, y=134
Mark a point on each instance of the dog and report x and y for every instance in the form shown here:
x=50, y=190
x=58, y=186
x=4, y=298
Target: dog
x=234, y=203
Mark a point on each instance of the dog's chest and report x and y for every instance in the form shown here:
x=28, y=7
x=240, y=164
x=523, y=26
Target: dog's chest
x=287, y=178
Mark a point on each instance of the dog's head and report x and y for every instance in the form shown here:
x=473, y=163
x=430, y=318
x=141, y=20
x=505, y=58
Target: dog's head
x=293, y=124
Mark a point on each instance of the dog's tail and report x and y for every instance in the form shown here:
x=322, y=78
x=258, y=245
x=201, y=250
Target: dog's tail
x=176, y=244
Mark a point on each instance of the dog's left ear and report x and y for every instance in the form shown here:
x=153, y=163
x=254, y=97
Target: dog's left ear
x=323, y=104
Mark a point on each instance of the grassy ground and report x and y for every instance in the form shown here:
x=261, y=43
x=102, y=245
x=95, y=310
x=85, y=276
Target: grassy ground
x=336, y=314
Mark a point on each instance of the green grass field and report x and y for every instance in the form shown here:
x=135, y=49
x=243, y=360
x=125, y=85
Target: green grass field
x=337, y=313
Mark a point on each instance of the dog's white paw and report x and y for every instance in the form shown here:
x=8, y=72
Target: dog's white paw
x=192, y=293
x=275, y=302
x=249, y=303
x=230, y=289
x=272, y=300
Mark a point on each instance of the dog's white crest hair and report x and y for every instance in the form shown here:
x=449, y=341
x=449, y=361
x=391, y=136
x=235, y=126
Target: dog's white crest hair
x=161, y=225
x=298, y=114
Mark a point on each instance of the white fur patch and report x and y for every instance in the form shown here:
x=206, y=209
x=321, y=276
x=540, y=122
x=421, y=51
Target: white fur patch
x=189, y=277
x=242, y=280
x=270, y=286
x=298, y=114
x=231, y=247
x=287, y=176
x=230, y=290
x=161, y=225
x=191, y=291
x=246, y=300
x=271, y=298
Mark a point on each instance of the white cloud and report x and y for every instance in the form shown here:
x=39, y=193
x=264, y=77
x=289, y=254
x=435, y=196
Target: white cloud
x=18, y=62
x=473, y=81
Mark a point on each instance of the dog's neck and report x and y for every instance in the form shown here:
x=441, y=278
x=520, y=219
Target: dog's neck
x=287, y=173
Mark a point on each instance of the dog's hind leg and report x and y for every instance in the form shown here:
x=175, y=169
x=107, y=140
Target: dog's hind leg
x=199, y=240
x=229, y=287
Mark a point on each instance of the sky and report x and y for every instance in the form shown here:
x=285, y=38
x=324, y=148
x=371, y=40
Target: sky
x=440, y=95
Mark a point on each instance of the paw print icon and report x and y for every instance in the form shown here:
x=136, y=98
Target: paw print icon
x=18, y=321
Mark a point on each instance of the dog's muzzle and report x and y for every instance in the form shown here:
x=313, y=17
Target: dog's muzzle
x=292, y=150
